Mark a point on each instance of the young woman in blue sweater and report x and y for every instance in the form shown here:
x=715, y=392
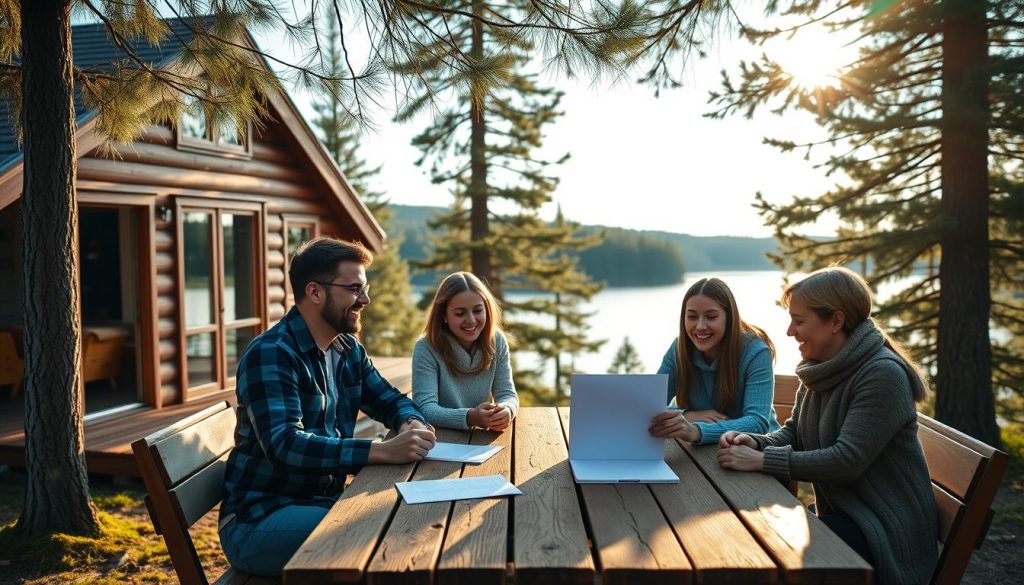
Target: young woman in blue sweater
x=719, y=370
x=461, y=376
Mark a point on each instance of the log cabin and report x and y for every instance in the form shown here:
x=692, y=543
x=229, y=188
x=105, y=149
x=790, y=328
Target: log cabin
x=184, y=240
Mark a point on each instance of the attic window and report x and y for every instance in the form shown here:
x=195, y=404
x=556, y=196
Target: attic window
x=196, y=133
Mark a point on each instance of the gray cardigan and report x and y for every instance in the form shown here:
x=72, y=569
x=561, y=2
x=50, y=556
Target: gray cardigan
x=853, y=434
x=445, y=398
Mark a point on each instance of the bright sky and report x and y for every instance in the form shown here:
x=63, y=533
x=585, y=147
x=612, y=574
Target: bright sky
x=639, y=161
x=643, y=162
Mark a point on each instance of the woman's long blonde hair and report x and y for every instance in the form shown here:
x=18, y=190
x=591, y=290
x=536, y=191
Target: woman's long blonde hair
x=838, y=288
x=440, y=336
x=727, y=379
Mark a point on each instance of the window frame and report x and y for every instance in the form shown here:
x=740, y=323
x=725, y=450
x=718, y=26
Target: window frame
x=223, y=379
x=295, y=220
x=212, y=144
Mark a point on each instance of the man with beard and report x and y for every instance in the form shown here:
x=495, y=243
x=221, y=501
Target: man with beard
x=300, y=386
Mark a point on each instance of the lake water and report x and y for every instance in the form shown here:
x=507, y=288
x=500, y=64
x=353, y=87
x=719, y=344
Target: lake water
x=650, y=317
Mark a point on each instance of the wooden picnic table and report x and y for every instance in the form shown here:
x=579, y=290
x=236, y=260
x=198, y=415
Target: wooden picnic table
x=714, y=526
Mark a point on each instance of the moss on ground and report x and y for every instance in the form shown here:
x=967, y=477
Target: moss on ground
x=124, y=545
x=127, y=550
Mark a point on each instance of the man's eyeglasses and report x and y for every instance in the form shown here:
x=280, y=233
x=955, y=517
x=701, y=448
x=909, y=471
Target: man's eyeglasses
x=357, y=289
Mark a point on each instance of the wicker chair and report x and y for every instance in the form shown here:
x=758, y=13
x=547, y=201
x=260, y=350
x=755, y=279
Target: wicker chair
x=101, y=349
x=12, y=367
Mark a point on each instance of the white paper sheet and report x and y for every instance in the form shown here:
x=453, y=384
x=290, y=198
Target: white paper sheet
x=462, y=453
x=618, y=471
x=463, y=488
x=608, y=437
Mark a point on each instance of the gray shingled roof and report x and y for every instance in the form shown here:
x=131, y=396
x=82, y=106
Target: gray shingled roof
x=93, y=48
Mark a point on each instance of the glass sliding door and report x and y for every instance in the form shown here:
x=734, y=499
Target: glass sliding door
x=223, y=292
x=241, y=320
x=200, y=299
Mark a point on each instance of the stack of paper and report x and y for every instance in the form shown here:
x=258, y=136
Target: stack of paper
x=608, y=438
x=462, y=453
x=464, y=488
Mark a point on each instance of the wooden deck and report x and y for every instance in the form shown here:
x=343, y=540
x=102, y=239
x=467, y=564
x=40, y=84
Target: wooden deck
x=108, y=440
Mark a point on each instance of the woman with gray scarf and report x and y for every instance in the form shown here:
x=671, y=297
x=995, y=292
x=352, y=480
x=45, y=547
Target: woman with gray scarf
x=853, y=432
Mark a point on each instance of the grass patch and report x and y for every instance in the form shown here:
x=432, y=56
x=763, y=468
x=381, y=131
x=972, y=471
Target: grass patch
x=121, y=541
x=1013, y=443
x=126, y=551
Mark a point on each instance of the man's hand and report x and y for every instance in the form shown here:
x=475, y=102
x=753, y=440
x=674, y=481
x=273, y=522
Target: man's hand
x=672, y=424
x=415, y=423
x=411, y=444
x=706, y=416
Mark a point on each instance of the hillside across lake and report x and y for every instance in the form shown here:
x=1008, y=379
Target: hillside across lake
x=625, y=258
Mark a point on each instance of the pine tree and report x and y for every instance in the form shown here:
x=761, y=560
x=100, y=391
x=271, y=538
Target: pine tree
x=626, y=360
x=391, y=323
x=571, y=287
x=38, y=78
x=483, y=146
x=926, y=128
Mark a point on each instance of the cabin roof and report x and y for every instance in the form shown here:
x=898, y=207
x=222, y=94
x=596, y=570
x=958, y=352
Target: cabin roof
x=93, y=48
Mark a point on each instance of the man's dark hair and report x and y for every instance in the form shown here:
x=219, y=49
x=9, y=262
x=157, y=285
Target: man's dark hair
x=318, y=259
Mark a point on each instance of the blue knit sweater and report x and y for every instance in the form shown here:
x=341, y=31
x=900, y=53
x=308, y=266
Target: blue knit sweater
x=751, y=411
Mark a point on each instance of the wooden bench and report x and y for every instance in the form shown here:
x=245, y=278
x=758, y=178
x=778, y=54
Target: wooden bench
x=183, y=469
x=965, y=476
x=785, y=396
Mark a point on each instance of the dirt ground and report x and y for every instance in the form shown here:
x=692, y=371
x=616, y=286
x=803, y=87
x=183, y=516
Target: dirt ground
x=999, y=561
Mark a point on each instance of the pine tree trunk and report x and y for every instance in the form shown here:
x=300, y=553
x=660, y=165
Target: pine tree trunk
x=964, y=396
x=480, y=256
x=57, y=495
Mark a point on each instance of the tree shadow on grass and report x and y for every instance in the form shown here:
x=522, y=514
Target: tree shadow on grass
x=127, y=551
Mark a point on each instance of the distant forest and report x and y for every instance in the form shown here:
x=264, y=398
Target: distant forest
x=625, y=258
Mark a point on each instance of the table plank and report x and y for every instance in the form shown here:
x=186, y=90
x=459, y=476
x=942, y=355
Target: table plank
x=550, y=543
x=409, y=551
x=339, y=548
x=476, y=546
x=718, y=544
x=805, y=550
x=634, y=542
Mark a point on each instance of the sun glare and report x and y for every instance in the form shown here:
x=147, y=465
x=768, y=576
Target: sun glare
x=813, y=57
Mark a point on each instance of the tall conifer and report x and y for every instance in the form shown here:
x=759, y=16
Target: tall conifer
x=391, y=322
x=38, y=79
x=925, y=135
x=626, y=360
x=484, y=146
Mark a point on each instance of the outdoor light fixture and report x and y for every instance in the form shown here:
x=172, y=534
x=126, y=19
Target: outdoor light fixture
x=164, y=213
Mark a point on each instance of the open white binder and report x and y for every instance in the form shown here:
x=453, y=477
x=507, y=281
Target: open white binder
x=608, y=440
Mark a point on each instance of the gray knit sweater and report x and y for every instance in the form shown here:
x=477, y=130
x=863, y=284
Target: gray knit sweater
x=853, y=434
x=445, y=398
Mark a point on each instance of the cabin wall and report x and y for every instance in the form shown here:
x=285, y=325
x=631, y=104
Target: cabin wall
x=274, y=177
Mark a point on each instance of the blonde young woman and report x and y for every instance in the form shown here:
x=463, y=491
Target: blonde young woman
x=719, y=370
x=853, y=433
x=461, y=376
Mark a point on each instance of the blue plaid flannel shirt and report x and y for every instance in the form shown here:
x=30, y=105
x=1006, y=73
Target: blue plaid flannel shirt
x=293, y=434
